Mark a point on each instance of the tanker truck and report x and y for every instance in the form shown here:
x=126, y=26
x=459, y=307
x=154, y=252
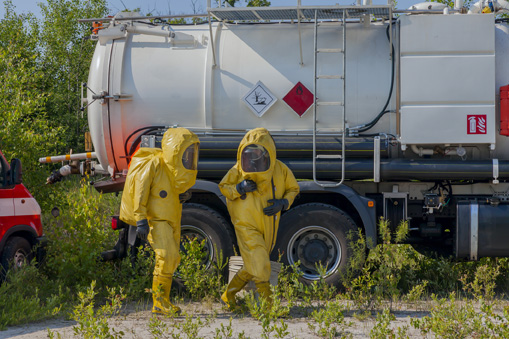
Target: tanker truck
x=400, y=114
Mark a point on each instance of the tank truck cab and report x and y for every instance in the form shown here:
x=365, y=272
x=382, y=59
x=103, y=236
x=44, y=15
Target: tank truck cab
x=20, y=219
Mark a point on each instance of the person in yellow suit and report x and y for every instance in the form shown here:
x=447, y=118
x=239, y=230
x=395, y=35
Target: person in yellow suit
x=156, y=184
x=257, y=188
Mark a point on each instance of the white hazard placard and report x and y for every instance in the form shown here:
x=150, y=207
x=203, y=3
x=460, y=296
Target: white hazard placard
x=259, y=99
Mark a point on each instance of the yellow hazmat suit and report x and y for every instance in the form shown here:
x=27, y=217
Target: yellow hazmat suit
x=150, y=200
x=265, y=189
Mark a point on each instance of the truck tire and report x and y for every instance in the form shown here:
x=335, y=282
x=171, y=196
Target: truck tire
x=314, y=233
x=16, y=253
x=202, y=222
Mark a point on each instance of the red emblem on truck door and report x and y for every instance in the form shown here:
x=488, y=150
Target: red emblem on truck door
x=476, y=124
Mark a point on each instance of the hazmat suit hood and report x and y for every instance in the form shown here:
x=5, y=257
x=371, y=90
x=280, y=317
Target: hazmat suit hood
x=175, y=142
x=262, y=137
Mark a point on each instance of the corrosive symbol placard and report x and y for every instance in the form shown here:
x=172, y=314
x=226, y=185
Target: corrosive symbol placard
x=259, y=99
x=299, y=99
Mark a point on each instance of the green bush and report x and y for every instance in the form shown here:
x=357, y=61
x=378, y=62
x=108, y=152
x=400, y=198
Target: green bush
x=27, y=295
x=200, y=281
x=454, y=319
x=78, y=236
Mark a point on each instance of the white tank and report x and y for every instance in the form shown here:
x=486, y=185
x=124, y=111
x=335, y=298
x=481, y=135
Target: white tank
x=172, y=80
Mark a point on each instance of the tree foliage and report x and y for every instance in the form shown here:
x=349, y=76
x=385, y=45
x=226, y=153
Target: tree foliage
x=26, y=132
x=42, y=63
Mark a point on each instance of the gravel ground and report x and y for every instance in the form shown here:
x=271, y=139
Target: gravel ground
x=134, y=322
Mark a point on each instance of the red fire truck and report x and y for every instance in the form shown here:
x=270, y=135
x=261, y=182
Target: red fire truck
x=20, y=219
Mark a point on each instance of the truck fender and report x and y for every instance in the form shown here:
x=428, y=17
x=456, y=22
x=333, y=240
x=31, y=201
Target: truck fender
x=209, y=186
x=18, y=229
x=360, y=203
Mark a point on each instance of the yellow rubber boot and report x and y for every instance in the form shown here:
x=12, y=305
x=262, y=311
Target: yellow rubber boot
x=264, y=291
x=161, y=296
x=235, y=285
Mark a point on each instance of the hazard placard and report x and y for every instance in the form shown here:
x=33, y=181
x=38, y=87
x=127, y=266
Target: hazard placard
x=259, y=99
x=299, y=99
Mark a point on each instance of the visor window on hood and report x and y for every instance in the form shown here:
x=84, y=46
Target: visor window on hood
x=190, y=157
x=255, y=158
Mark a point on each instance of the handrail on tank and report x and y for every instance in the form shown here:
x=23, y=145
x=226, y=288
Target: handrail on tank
x=145, y=17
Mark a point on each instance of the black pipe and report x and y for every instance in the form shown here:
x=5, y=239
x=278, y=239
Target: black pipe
x=395, y=169
x=294, y=146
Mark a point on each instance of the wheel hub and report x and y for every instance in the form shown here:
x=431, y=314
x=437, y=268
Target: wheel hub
x=315, y=246
x=315, y=251
x=19, y=259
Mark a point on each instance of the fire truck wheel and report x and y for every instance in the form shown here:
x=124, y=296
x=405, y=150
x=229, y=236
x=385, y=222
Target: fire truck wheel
x=315, y=234
x=16, y=253
x=204, y=223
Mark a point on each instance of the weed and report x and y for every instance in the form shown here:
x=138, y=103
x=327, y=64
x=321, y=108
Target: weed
x=481, y=284
x=268, y=313
x=92, y=323
x=225, y=332
x=417, y=292
x=450, y=319
x=319, y=289
x=289, y=285
x=27, y=295
x=158, y=328
x=190, y=327
x=384, y=269
x=134, y=278
x=77, y=238
x=382, y=327
x=197, y=278
x=330, y=321
x=178, y=329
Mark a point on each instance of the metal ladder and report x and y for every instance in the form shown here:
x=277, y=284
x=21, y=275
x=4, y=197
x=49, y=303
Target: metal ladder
x=318, y=103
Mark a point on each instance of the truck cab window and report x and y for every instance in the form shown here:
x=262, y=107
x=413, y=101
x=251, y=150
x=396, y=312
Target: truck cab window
x=2, y=174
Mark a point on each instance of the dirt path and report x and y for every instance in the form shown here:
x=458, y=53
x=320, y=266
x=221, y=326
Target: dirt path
x=135, y=322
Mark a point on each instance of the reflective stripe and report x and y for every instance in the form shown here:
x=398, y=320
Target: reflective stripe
x=6, y=207
x=26, y=206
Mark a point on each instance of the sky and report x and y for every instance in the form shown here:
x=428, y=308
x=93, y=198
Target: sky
x=163, y=7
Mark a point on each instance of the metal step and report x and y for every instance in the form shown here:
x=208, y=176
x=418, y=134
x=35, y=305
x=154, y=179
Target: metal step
x=329, y=156
x=329, y=50
x=329, y=103
x=330, y=77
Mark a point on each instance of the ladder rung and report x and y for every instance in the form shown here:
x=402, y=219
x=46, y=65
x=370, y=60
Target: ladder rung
x=329, y=103
x=329, y=156
x=329, y=50
x=321, y=23
x=330, y=77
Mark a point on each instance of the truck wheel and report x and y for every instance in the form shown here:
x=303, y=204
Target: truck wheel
x=316, y=233
x=204, y=223
x=16, y=253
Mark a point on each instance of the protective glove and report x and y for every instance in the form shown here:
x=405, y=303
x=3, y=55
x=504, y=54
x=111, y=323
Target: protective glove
x=142, y=229
x=246, y=186
x=277, y=206
x=183, y=197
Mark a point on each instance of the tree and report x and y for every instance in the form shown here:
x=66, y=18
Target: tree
x=65, y=58
x=26, y=132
